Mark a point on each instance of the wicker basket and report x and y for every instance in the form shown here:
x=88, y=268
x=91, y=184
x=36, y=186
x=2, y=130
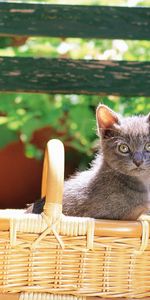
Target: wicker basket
x=51, y=256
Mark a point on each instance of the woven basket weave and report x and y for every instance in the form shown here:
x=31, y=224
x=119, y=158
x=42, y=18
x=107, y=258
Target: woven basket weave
x=54, y=257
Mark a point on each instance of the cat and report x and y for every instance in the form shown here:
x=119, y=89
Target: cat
x=117, y=184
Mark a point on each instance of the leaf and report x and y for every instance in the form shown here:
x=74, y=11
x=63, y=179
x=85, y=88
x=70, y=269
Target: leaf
x=7, y=136
x=30, y=125
x=32, y=151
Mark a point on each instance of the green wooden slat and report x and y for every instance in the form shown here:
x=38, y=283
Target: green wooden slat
x=32, y=19
x=64, y=76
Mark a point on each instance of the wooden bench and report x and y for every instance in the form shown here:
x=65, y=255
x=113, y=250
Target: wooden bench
x=46, y=75
x=67, y=76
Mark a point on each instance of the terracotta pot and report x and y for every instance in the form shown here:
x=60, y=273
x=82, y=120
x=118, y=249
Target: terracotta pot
x=20, y=177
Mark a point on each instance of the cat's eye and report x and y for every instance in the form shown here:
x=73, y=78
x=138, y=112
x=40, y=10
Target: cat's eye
x=147, y=147
x=123, y=148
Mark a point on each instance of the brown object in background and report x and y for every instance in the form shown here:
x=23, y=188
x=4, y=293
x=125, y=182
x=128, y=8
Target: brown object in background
x=20, y=177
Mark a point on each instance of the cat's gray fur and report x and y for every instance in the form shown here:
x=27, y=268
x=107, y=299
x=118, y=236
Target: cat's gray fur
x=117, y=186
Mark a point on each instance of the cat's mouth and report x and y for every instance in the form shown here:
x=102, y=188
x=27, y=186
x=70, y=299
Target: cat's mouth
x=137, y=171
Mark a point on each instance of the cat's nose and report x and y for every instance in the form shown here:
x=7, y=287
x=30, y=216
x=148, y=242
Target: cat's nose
x=138, y=159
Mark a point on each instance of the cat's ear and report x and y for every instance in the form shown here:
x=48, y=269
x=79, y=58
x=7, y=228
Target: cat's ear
x=106, y=118
x=148, y=118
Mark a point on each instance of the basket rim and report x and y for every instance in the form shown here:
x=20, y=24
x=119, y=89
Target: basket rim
x=103, y=228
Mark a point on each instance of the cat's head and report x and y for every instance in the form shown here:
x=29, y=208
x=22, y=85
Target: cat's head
x=125, y=141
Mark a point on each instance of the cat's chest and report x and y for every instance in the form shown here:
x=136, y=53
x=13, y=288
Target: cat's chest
x=146, y=184
x=144, y=195
x=138, y=190
x=148, y=192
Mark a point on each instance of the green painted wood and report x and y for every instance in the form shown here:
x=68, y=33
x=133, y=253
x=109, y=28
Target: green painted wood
x=64, y=76
x=74, y=21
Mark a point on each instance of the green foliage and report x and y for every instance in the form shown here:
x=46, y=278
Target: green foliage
x=7, y=135
x=71, y=116
x=32, y=151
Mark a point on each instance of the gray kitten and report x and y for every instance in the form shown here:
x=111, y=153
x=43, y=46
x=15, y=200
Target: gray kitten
x=117, y=186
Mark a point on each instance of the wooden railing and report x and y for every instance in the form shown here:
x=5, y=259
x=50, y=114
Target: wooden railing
x=66, y=76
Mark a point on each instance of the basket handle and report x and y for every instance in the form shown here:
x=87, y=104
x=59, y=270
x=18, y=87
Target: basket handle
x=53, y=178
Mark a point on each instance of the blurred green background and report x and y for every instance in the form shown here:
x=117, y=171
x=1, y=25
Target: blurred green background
x=70, y=117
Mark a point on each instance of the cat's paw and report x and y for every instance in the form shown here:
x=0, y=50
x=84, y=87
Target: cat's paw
x=37, y=207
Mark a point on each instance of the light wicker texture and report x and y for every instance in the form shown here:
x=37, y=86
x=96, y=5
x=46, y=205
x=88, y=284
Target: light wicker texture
x=53, y=257
x=47, y=296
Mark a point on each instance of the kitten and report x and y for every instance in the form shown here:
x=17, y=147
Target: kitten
x=117, y=185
